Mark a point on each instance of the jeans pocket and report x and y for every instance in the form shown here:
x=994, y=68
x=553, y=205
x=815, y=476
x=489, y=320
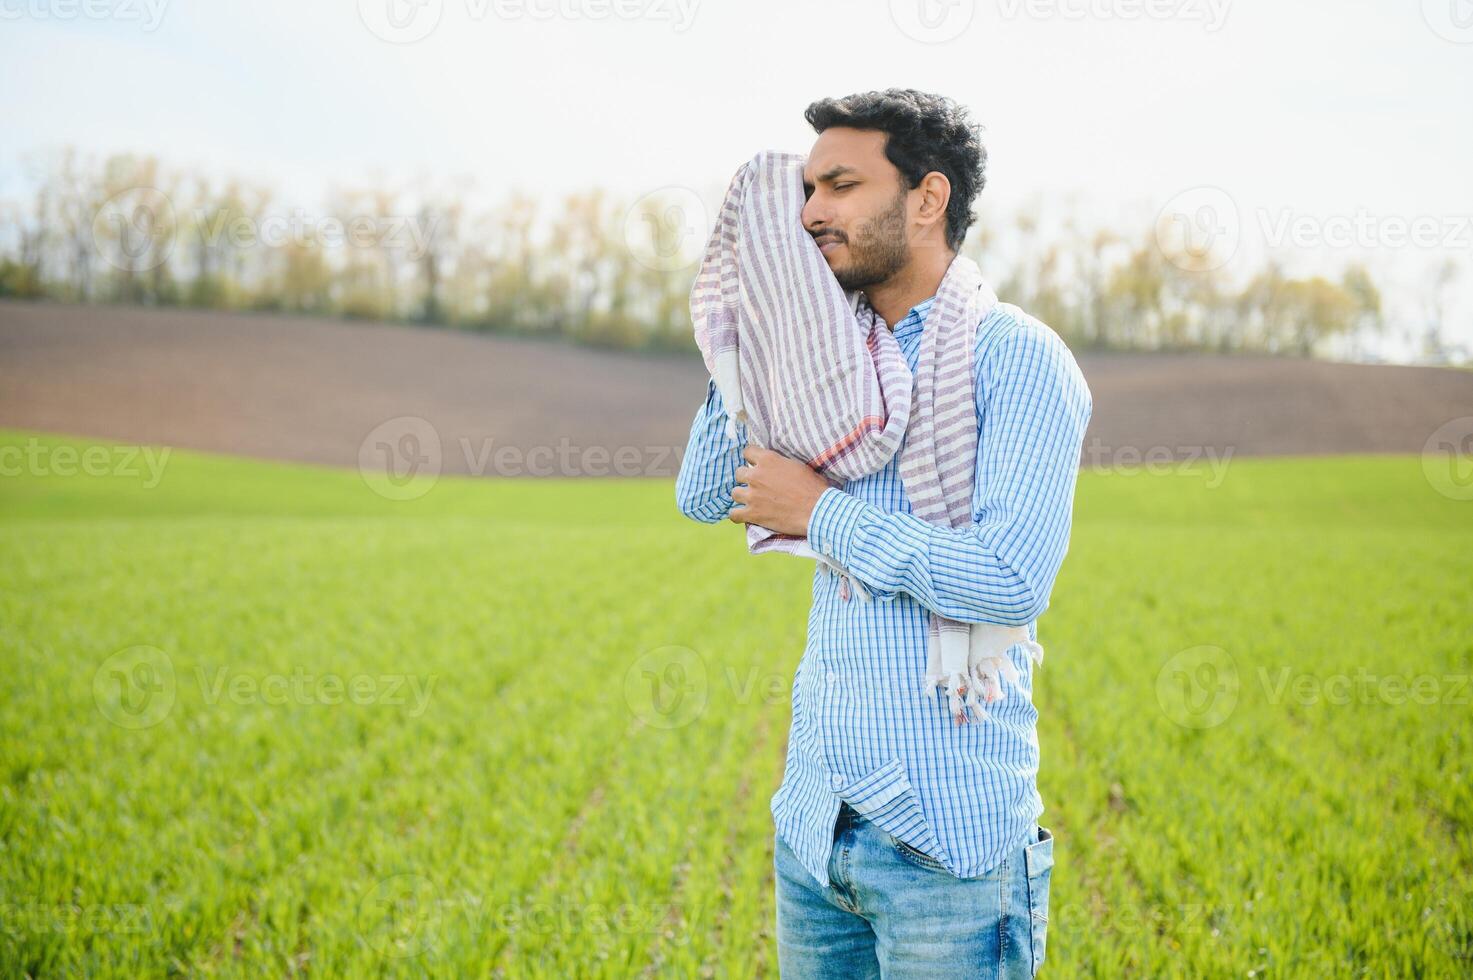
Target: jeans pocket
x=917, y=857
x=886, y=798
x=1039, y=863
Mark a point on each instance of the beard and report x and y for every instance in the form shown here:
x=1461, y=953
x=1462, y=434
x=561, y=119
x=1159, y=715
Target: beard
x=878, y=251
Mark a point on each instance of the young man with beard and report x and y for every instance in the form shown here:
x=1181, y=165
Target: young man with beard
x=907, y=845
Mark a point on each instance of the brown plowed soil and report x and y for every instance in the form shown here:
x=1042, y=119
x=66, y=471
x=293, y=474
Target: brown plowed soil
x=312, y=390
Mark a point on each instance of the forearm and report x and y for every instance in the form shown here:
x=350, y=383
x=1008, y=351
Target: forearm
x=707, y=470
x=1034, y=407
x=960, y=574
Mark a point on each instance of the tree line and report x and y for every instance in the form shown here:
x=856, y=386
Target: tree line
x=591, y=267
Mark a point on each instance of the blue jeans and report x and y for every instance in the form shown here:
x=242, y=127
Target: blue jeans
x=891, y=911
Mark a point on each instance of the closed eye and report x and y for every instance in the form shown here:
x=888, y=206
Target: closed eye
x=844, y=187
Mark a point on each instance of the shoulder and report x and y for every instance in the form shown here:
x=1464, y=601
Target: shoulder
x=1018, y=351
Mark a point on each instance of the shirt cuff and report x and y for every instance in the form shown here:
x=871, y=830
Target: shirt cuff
x=832, y=524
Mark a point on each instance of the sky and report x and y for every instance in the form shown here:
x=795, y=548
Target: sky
x=1331, y=128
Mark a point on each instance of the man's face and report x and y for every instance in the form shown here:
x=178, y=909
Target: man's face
x=857, y=210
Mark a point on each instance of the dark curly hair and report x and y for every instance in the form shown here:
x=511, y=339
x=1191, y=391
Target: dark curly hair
x=924, y=133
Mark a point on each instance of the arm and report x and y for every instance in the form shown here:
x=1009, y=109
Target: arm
x=1001, y=569
x=708, y=468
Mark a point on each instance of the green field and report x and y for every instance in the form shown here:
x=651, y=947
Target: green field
x=260, y=720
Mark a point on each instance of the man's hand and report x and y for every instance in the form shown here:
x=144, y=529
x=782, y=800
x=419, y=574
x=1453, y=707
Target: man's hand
x=775, y=492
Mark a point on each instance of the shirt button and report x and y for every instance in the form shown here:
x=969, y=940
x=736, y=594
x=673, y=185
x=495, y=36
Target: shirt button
x=836, y=781
x=832, y=677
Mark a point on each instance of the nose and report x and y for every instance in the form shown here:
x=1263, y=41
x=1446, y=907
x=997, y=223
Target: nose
x=815, y=214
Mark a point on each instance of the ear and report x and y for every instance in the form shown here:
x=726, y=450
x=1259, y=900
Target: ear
x=935, y=192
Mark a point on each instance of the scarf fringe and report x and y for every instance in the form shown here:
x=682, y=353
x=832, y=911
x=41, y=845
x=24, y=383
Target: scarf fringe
x=981, y=684
x=973, y=686
x=848, y=583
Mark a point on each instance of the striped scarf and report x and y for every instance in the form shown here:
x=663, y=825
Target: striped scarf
x=815, y=374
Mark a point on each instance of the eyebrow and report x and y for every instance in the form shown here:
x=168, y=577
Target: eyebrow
x=830, y=174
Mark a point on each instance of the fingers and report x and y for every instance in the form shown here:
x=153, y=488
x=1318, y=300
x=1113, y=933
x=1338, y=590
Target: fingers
x=754, y=454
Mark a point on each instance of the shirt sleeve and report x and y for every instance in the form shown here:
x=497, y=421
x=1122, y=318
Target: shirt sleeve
x=1001, y=569
x=708, y=468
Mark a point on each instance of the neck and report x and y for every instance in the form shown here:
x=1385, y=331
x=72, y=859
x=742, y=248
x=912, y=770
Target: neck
x=918, y=281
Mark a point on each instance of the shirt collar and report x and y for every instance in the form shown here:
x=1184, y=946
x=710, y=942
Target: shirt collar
x=913, y=321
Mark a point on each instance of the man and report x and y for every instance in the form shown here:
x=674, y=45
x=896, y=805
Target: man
x=906, y=844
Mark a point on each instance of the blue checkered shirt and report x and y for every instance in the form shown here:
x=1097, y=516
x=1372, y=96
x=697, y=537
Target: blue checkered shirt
x=863, y=730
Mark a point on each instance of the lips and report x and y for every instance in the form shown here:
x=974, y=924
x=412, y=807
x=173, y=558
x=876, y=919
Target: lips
x=827, y=245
